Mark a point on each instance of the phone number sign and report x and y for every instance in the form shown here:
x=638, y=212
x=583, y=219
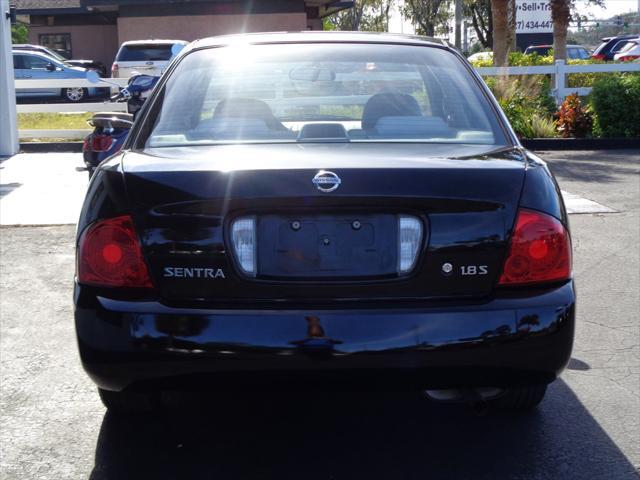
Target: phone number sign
x=533, y=16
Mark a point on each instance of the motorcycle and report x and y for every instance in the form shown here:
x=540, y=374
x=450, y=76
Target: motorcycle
x=110, y=129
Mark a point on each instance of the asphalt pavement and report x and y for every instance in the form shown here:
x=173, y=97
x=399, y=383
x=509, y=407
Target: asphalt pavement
x=53, y=426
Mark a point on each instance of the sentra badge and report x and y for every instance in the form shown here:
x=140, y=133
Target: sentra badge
x=195, y=272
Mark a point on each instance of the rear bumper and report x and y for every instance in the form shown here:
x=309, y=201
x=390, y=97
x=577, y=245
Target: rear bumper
x=507, y=341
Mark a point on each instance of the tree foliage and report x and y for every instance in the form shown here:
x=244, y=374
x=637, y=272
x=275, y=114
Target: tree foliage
x=19, y=34
x=479, y=11
x=429, y=17
x=366, y=15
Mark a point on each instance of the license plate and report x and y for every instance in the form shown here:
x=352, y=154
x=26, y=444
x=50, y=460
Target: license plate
x=340, y=246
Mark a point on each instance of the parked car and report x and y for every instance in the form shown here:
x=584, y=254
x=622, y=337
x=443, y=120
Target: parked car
x=148, y=57
x=630, y=52
x=88, y=64
x=252, y=233
x=610, y=46
x=574, y=52
x=480, y=56
x=33, y=65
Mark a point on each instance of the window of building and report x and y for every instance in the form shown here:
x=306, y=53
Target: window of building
x=60, y=42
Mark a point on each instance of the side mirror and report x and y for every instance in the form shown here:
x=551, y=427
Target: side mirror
x=92, y=76
x=176, y=48
x=51, y=67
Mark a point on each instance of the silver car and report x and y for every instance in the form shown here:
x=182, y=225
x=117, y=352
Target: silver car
x=148, y=57
x=33, y=65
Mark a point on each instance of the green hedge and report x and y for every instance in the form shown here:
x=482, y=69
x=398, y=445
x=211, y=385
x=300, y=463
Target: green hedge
x=519, y=59
x=527, y=103
x=615, y=102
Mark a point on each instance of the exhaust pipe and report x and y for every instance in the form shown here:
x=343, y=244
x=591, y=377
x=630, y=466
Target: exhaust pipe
x=476, y=398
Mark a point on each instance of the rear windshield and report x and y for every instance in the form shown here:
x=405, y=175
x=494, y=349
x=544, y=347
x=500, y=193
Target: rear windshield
x=321, y=93
x=144, y=52
x=542, y=51
x=577, y=53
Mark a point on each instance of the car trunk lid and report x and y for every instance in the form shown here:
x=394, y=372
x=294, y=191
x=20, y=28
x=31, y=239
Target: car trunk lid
x=184, y=201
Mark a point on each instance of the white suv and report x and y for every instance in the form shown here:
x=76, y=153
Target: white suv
x=143, y=56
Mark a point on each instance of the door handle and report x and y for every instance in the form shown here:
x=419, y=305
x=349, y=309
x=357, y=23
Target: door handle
x=26, y=76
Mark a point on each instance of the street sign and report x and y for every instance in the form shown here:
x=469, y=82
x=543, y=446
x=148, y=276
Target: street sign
x=533, y=16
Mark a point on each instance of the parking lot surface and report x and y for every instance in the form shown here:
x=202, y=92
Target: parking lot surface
x=52, y=425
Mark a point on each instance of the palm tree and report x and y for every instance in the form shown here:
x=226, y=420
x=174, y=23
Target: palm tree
x=560, y=15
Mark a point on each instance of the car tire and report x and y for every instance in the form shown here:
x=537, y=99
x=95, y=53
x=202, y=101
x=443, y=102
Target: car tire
x=127, y=403
x=74, y=94
x=521, y=398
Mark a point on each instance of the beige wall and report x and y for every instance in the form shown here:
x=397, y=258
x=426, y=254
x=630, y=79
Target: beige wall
x=88, y=42
x=192, y=27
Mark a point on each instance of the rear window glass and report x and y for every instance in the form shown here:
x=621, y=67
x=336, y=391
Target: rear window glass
x=321, y=93
x=542, y=51
x=144, y=52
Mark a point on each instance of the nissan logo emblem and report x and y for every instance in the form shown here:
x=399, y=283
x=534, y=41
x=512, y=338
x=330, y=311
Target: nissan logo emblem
x=326, y=181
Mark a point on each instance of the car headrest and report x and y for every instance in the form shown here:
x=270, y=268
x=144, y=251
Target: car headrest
x=247, y=108
x=388, y=105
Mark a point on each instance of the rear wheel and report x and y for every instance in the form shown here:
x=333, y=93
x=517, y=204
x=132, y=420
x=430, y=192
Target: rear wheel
x=130, y=402
x=521, y=398
x=74, y=94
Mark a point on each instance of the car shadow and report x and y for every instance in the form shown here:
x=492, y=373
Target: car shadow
x=600, y=167
x=357, y=436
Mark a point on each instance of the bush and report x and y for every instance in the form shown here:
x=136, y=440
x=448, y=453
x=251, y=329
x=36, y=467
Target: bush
x=519, y=59
x=615, y=102
x=537, y=126
x=574, y=120
x=527, y=103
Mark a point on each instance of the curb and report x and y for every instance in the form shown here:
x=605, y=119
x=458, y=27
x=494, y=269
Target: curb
x=50, y=147
x=580, y=143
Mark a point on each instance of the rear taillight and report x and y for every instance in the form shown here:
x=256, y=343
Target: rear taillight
x=597, y=56
x=628, y=58
x=86, y=145
x=540, y=251
x=109, y=255
x=98, y=143
x=115, y=70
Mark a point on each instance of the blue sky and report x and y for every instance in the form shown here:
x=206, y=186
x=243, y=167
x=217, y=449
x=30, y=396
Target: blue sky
x=611, y=7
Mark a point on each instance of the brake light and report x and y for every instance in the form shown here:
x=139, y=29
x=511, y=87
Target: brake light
x=109, y=255
x=628, y=58
x=115, y=71
x=98, y=143
x=540, y=251
x=598, y=56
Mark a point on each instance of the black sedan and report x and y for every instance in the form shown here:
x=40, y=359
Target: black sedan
x=321, y=209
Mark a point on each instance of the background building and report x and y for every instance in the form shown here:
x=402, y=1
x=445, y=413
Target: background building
x=95, y=28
